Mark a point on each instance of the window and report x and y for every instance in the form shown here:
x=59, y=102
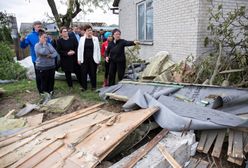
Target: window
x=145, y=20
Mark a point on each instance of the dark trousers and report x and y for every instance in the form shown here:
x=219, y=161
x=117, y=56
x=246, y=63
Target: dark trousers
x=88, y=67
x=106, y=70
x=114, y=67
x=37, y=79
x=78, y=74
x=47, y=80
x=68, y=78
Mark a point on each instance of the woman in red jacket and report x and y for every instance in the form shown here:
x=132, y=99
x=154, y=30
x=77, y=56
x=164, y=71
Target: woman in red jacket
x=108, y=36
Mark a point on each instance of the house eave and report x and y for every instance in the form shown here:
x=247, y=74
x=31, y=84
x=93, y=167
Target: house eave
x=116, y=3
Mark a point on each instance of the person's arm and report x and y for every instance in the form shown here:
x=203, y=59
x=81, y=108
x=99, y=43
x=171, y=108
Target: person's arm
x=79, y=51
x=40, y=50
x=130, y=43
x=24, y=42
x=53, y=52
x=107, y=53
x=98, y=49
x=75, y=46
x=60, y=50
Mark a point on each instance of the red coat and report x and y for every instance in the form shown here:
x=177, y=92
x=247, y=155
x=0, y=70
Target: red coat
x=104, y=48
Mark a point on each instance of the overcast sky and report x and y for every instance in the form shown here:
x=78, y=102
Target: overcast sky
x=31, y=10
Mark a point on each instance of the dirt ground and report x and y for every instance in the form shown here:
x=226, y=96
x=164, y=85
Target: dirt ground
x=18, y=101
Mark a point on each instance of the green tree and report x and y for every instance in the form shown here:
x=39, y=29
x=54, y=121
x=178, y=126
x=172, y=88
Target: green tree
x=9, y=69
x=74, y=7
x=5, y=32
x=229, y=40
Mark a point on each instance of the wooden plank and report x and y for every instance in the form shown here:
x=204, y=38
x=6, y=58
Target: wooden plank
x=41, y=155
x=237, y=145
x=210, y=139
x=34, y=120
x=66, y=128
x=218, y=143
x=246, y=148
x=241, y=129
x=217, y=162
x=34, y=152
x=57, y=159
x=117, y=97
x=7, y=149
x=147, y=148
x=245, y=140
x=9, y=113
x=168, y=156
x=235, y=160
x=44, y=127
x=202, y=141
x=93, y=148
x=230, y=142
x=197, y=163
x=64, y=117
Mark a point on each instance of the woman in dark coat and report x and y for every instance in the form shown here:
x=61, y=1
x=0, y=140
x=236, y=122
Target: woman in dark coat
x=115, y=55
x=67, y=48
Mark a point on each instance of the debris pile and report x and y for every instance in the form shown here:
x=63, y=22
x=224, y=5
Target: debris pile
x=82, y=138
x=215, y=111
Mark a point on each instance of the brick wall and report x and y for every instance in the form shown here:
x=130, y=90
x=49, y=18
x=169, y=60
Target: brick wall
x=179, y=26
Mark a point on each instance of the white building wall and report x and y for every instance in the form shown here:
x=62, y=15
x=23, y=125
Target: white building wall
x=127, y=19
x=175, y=27
x=180, y=26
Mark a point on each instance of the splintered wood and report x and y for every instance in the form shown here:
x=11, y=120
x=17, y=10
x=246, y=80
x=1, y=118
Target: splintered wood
x=80, y=139
x=237, y=144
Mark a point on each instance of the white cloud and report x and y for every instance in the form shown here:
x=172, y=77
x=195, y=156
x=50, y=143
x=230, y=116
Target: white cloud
x=31, y=10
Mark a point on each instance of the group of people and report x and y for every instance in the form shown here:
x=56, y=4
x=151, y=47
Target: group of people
x=77, y=52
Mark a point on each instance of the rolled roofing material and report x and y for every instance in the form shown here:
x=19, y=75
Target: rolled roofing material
x=187, y=106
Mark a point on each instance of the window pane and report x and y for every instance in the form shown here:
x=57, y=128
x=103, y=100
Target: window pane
x=141, y=21
x=149, y=20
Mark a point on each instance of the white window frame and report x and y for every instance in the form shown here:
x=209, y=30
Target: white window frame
x=145, y=41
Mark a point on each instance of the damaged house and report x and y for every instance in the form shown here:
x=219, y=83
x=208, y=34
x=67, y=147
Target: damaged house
x=178, y=27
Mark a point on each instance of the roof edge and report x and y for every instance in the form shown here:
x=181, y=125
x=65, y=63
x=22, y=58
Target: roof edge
x=116, y=3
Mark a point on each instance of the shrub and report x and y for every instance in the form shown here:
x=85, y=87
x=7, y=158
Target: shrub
x=9, y=69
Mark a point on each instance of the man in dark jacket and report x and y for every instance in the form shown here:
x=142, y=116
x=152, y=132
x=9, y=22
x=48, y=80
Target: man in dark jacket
x=75, y=34
x=116, y=56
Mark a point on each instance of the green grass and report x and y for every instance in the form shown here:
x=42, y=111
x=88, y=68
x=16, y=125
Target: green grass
x=60, y=88
x=18, y=87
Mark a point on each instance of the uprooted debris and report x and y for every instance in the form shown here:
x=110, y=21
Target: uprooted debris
x=159, y=65
x=27, y=109
x=171, y=144
x=82, y=138
x=58, y=105
x=9, y=124
x=217, y=110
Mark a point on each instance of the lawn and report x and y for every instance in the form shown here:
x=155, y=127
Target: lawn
x=19, y=93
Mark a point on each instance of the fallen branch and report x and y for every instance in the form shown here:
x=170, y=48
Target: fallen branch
x=218, y=63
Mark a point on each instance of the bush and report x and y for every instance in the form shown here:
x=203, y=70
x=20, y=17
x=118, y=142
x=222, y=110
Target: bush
x=9, y=69
x=132, y=55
